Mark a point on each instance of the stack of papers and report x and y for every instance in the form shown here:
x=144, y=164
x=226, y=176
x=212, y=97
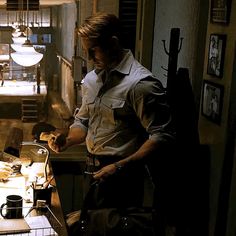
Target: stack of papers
x=40, y=226
x=29, y=226
x=10, y=226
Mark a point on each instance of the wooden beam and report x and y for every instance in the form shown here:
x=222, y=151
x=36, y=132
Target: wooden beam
x=95, y=6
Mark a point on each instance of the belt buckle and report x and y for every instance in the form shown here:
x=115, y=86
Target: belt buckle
x=96, y=162
x=92, y=161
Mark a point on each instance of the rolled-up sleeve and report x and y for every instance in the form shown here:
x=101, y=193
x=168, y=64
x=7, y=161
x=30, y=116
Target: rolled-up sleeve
x=81, y=118
x=150, y=104
x=80, y=122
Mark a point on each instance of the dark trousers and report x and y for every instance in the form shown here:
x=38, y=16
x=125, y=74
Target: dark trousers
x=125, y=188
x=179, y=197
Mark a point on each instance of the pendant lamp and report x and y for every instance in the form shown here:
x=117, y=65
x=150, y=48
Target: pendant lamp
x=16, y=32
x=19, y=40
x=27, y=58
x=25, y=54
x=16, y=47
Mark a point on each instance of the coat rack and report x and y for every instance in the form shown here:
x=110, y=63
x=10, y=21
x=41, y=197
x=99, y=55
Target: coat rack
x=174, y=49
x=189, y=187
x=179, y=92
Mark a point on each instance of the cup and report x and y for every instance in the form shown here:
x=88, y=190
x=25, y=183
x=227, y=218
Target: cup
x=14, y=204
x=42, y=194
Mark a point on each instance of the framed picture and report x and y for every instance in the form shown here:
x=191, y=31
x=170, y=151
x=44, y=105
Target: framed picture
x=216, y=54
x=220, y=11
x=212, y=101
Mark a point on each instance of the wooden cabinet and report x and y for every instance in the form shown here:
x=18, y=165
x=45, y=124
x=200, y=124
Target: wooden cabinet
x=68, y=168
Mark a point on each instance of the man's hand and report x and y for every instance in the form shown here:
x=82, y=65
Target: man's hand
x=57, y=142
x=105, y=172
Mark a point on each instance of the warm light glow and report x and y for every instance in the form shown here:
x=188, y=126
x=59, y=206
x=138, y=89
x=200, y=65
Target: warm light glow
x=27, y=58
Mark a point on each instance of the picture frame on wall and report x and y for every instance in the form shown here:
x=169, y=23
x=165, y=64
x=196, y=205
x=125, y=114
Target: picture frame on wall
x=216, y=54
x=220, y=11
x=212, y=101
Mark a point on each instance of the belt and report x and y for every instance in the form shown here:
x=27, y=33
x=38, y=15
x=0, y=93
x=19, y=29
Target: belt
x=90, y=155
x=101, y=160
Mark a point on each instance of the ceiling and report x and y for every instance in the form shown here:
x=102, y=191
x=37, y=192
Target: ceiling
x=43, y=2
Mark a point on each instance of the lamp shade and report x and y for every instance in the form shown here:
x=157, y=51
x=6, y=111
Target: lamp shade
x=16, y=47
x=27, y=58
x=16, y=33
x=19, y=40
x=25, y=47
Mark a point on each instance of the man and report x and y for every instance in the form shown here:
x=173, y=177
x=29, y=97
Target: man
x=124, y=118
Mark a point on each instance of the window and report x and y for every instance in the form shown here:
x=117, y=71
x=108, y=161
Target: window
x=41, y=18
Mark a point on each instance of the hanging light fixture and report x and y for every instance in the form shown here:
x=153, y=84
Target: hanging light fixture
x=16, y=32
x=17, y=43
x=19, y=26
x=19, y=40
x=16, y=47
x=25, y=54
x=29, y=58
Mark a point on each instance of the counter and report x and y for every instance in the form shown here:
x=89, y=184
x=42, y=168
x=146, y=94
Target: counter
x=18, y=184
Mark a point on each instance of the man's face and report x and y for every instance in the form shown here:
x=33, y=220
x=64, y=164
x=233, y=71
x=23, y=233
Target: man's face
x=96, y=54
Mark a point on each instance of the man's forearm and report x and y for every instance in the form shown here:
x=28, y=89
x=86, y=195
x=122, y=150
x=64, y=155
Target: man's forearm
x=141, y=154
x=75, y=136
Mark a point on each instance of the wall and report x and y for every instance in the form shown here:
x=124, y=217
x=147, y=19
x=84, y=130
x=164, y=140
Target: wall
x=219, y=137
x=191, y=17
x=231, y=213
x=64, y=21
x=145, y=32
x=181, y=14
x=64, y=18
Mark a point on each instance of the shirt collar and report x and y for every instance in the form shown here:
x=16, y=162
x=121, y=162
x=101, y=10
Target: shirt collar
x=124, y=66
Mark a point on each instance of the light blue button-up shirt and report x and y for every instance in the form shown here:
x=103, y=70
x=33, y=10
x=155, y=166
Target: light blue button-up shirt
x=121, y=112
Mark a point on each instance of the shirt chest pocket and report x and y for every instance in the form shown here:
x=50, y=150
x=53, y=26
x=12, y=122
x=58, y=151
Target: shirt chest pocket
x=89, y=102
x=102, y=111
x=109, y=108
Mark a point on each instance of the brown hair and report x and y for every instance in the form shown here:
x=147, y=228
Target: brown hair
x=100, y=27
